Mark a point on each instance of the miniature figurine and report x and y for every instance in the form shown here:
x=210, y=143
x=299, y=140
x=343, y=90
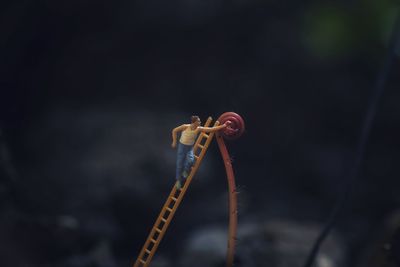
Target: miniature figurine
x=185, y=156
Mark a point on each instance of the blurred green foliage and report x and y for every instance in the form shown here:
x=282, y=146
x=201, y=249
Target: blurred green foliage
x=336, y=30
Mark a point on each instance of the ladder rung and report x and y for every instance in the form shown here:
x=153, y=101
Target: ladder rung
x=196, y=156
x=201, y=146
x=153, y=240
x=157, y=230
x=174, y=198
x=168, y=209
x=206, y=135
x=147, y=251
x=164, y=220
x=142, y=261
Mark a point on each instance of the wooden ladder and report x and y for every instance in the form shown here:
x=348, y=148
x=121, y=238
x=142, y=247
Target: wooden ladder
x=173, y=201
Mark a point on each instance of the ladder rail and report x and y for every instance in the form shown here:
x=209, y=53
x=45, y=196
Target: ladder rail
x=175, y=197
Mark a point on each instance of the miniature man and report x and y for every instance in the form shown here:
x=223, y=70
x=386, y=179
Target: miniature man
x=185, y=156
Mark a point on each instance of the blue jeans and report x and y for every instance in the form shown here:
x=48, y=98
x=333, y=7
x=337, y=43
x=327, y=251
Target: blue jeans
x=184, y=159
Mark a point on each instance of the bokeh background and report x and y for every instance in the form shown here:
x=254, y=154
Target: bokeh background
x=90, y=91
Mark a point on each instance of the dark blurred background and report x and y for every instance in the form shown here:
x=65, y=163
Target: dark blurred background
x=90, y=91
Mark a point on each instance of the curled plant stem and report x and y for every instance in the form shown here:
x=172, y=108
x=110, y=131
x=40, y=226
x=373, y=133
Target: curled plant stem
x=232, y=201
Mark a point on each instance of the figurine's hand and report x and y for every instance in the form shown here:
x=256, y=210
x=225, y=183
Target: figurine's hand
x=227, y=123
x=173, y=145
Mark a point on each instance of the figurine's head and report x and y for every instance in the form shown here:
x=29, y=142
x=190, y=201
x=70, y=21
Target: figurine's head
x=195, y=120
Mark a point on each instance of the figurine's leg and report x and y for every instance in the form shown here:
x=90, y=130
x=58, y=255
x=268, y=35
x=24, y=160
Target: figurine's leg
x=180, y=158
x=189, y=161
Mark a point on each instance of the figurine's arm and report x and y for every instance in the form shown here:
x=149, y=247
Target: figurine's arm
x=212, y=129
x=175, y=131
